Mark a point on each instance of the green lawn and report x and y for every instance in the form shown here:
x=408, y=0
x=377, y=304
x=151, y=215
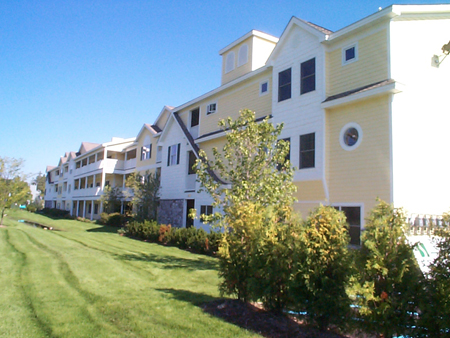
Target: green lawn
x=87, y=281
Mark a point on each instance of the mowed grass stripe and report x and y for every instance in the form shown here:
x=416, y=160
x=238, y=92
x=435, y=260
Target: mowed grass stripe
x=17, y=315
x=114, y=286
x=60, y=309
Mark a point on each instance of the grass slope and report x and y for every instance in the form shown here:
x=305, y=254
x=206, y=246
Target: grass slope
x=86, y=281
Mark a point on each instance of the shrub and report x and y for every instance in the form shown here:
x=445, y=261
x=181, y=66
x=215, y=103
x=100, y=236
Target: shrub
x=145, y=230
x=323, y=265
x=31, y=208
x=56, y=213
x=272, y=263
x=435, y=317
x=114, y=219
x=390, y=278
x=164, y=233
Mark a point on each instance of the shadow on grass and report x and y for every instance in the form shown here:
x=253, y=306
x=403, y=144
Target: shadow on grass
x=248, y=316
x=197, y=299
x=104, y=228
x=171, y=262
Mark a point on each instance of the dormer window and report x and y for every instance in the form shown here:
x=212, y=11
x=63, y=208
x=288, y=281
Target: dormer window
x=229, y=63
x=242, y=55
x=211, y=108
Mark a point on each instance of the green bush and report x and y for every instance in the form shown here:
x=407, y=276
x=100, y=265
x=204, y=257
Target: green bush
x=148, y=230
x=435, y=318
x=391, y=282
x=323, y=264
x=56, y=213
x=114, y=219
x=31, y=208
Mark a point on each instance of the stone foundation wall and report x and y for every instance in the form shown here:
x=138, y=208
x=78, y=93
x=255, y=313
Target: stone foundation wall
x=171, y=212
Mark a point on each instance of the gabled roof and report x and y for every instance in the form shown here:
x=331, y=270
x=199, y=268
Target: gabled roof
x=166, y=110
x=318, y=31
x=154, y=129
x=87, y=146
x=50, y=168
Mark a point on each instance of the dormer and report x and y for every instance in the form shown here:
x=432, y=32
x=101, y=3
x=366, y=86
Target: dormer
x=246, y=54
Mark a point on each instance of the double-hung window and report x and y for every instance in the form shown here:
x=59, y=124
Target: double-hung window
x=173, y=157
x=284, y=84
x=308, y=76
x=307, y=151
x=353, y=215
x=146, y=152
x=205, y=210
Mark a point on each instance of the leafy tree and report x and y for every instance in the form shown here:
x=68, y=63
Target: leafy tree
x=323, y=266
x=145, y=194
x=13, y=187
x=39, y=180
x=112, y=199
x=254, y=177
x=247, y=165
x=390, y=277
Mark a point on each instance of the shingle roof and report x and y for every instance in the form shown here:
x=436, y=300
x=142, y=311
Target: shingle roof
x=359, y=90
x=221, y=131
x=319, y=28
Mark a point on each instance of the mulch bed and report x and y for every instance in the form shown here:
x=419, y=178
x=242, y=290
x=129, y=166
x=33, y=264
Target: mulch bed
x=267, y=324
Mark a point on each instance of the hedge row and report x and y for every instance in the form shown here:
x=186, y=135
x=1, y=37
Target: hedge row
x=193, y=239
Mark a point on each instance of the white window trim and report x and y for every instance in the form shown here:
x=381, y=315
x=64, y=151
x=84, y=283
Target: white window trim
x=344, y=129
x=208, y=112
x=344, y=49
x=260, y=87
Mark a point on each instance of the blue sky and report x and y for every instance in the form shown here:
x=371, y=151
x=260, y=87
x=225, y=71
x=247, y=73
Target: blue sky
x=74, y=71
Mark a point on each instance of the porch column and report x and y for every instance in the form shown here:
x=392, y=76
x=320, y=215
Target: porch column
x=84, y=209
x=92, y=209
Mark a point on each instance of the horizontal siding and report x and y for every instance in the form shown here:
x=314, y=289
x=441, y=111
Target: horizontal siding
x=310, y=191
x=361, y=175
x=230, y=102
x=371, y=66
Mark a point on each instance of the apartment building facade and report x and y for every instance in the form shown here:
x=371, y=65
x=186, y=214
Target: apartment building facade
x=355, y=103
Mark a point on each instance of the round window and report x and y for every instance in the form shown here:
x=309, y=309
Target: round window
x=350, y=136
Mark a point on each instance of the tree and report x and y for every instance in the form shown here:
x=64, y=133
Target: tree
x=323, y=269
x=390, y=277
x=112, y=199
x=13, y=187
x=247, y=168
x=39, y=181
x=145, y=194
x=251, y=181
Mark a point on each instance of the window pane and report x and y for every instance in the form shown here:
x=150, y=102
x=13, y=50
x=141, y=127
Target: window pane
x=307, y=151
x=353, y=215
x=308, y=76
x=192, y=159
x=350, y=54
x=195, y=117
x=284, y=85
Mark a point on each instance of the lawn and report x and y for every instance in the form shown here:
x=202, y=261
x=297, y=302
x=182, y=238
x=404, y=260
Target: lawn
x=85, y=280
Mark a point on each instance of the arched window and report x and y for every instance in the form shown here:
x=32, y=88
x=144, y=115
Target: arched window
x=229, y=63
x=243, y=55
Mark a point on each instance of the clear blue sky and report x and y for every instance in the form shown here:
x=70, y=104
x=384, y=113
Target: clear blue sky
x=74, y=71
